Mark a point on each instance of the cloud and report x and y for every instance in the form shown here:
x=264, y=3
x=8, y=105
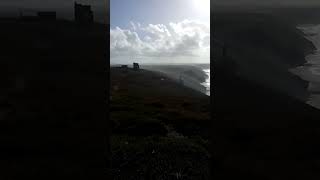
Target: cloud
x=182, y=39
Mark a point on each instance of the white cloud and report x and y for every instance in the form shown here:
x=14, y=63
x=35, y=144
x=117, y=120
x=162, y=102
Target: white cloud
x=133, y=26
x=182, y=39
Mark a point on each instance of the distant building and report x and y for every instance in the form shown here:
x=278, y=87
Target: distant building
x=136, y=66
x=83, y=14
x=47, y=15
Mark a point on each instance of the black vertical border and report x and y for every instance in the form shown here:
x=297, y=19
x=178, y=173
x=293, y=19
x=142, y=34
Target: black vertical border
x=212, y=94
x=107, y=131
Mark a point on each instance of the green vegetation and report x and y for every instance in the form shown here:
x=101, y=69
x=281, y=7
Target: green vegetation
x=160, y=128
x=157, y=157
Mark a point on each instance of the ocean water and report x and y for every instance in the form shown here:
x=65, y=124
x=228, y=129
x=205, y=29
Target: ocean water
x=207, y=82
x=190, y=80
x=310, y=71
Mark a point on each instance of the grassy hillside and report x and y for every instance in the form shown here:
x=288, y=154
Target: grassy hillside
x=158, y=122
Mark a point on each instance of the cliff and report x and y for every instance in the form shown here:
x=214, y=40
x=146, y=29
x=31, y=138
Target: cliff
x=264, y=49
x=261, y=131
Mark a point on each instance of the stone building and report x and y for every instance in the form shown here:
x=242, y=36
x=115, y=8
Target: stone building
x=136, y=66
x=83, y=13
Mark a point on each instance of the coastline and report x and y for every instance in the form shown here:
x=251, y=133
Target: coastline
x=194, y=75
x=207, y=82
x=310, y=70
x=264, y=49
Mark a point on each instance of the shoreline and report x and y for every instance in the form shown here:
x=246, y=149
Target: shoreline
x=310, y=70
x=207, y=82
x=266, y=62
x=193, y=74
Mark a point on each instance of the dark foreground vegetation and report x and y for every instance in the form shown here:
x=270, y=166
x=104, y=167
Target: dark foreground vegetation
x=160, y=127
x=52, y=100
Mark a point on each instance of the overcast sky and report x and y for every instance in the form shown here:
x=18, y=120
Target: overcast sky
x=154, y=31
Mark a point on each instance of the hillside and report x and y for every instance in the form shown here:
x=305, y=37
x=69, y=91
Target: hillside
x=264, y=49
x=262, y=132
x=154, y=115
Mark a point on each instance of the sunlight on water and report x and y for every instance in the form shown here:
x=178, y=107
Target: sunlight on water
x=311, y=70
x=207, y=82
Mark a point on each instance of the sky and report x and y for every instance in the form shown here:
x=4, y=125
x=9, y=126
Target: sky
x=159, y=31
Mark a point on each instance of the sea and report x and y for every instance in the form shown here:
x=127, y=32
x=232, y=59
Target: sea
x=310, y=71
x=174, y=70
x=207, y=82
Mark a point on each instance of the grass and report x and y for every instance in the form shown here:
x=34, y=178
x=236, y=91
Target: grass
x=158, y=158
x=143, y=107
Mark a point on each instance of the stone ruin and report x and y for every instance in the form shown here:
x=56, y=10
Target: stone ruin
x=136, y=66
x=83, y=14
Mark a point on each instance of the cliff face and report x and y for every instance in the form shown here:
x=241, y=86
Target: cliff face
x=260, y=131
x=264, y=49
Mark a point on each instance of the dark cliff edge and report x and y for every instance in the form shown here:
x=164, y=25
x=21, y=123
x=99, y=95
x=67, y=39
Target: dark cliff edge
x=261, y=131
x=52, y=99
x=264, y=49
